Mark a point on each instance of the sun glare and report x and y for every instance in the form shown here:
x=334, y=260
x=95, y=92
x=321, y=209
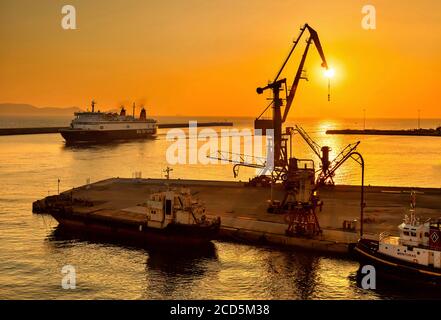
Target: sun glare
x=330, y=73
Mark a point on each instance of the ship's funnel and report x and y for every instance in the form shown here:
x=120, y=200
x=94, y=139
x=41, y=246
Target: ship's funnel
x=143, y=114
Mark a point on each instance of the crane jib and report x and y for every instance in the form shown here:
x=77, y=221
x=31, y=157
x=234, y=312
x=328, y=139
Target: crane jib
x=276, y=84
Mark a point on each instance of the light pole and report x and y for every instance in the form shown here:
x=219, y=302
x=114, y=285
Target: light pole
x=419, y=119
x=364, y=119
x=357, y=157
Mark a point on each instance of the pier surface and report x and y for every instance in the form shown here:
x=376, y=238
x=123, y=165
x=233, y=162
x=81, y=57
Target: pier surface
x=46, y=130
x=377, y=132
x=243, y=209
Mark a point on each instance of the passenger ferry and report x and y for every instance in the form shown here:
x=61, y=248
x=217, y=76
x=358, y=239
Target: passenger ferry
x=102, y=127
x=416, y=252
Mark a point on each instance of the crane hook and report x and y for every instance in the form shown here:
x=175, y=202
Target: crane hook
x=329, y=89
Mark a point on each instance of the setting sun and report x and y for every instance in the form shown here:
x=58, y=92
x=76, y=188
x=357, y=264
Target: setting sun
x=329, y=73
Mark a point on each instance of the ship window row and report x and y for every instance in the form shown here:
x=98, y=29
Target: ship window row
x=408, y=248
x=102, y=127
x=111, y=122
x=413, y=234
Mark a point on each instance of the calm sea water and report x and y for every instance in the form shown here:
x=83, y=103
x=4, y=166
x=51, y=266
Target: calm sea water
x=32, y=253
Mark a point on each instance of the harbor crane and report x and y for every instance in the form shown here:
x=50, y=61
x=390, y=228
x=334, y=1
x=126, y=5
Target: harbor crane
x=301, y=200
x=281, y=158
x=282, y=162
x=297, y=176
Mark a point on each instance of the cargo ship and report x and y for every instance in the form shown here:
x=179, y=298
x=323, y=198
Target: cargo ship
x=167, y=217
x=103, y=127
x=414, y=254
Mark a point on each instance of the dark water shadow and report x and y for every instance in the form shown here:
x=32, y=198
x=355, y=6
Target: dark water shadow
x=61, y=237
x=176, y=275
x=306, y=278
x=295, y=272
x=169, y=269
x=188, y=261
x=298, y=267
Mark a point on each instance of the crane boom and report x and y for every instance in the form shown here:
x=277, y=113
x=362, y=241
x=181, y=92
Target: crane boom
x=302, y=30
x=318, y=45
x=295, y=84
x=312, y=38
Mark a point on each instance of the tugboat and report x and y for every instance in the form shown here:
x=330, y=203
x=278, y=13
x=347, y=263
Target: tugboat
x=104, y=127
x=414, y=254
x=171, y=216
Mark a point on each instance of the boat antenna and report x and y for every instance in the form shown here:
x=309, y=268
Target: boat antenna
x=93, y=105
x=413, y=200
x=412, y=207
x=167, y=172
x=134, y=106
x=167, y=176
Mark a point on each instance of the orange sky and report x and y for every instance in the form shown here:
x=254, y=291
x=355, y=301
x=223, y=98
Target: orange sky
x=206, y=57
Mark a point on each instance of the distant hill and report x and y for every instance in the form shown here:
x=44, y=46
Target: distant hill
x=17, y=109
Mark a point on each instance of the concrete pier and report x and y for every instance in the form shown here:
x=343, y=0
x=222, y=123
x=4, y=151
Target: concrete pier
x=243, y=209
x=377, y=132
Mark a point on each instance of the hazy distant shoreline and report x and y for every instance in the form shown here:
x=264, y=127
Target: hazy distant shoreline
x=21, y=109
x=24, y=110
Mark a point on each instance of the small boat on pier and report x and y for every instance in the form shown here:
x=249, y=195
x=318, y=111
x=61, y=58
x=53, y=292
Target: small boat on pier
x=171, y=216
